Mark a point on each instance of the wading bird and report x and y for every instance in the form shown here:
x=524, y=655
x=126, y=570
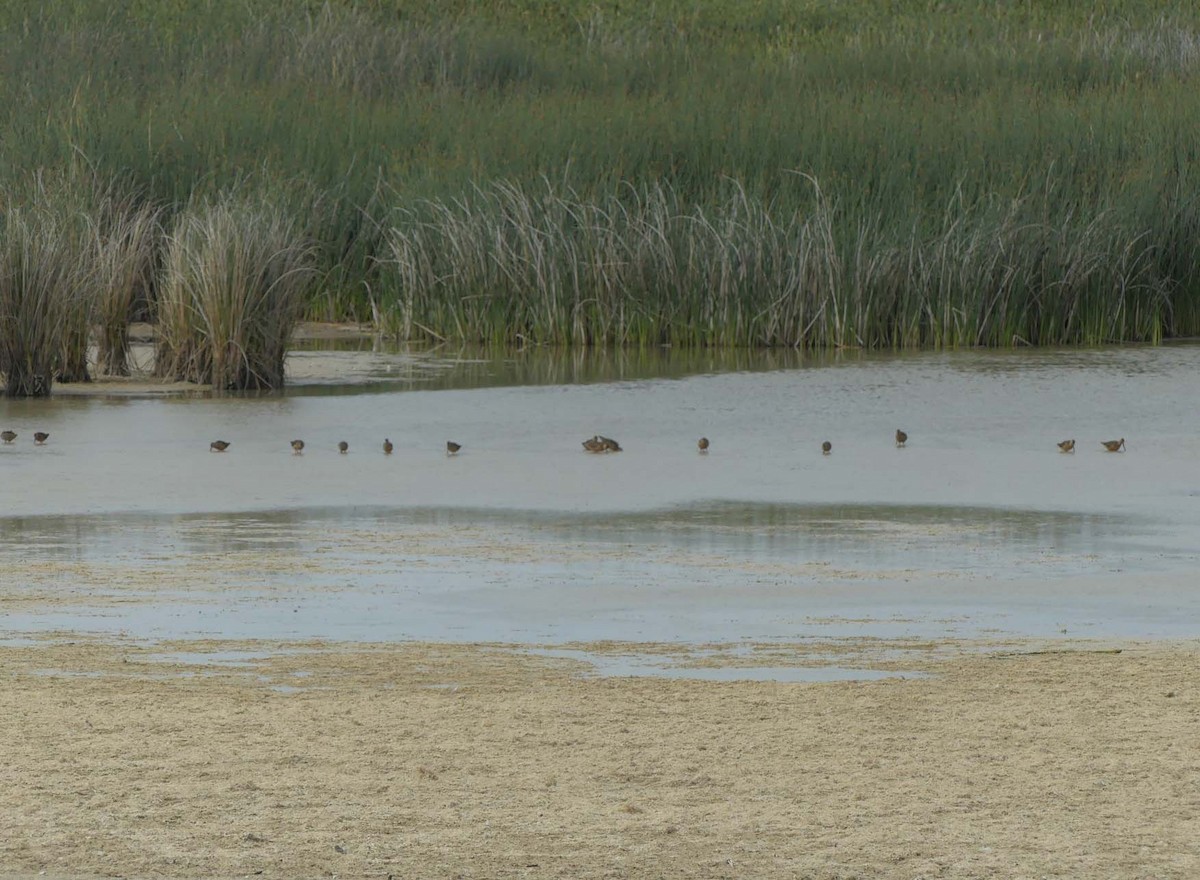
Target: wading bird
x=8, y=436
x=452, y=447
x=1114, y=445
x=901, y=437
x=1067, y=446
x=297, y=447
x=610, y=445
x=826, y=448
x=387, y=446
x=595, y=444
x=218, y=446
x=40, y=437
x=703, y=444
x=343, y=447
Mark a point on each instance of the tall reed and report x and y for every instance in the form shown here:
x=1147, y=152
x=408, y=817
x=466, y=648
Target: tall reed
x=78, y=308
x=126, y=238
x=235, y=280
x=40, y=273
x=59, y=202
x=510, y=265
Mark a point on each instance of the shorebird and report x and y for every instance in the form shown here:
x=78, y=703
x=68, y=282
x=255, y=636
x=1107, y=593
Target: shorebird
x=387, y=446
x=901, y=437
x=594, y=444
x=703, y=444
x=218, y=446
x=343, y=447
x=610, y=445
x=1114, y=445
x=297, y=447
x=826, y=448
x=1067, y=446
x=452, y=447
x=8, y=436
x=40, y=437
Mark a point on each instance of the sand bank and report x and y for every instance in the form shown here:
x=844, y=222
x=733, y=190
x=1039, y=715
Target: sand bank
x=482, y=761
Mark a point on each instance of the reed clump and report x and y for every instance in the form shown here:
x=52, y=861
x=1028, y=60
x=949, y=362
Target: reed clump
x=59, y=204
x=235, y=280
x=40, y=274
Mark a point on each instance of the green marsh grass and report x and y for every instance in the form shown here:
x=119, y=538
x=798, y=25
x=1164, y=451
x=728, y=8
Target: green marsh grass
x=991, y=173
x=510, y=265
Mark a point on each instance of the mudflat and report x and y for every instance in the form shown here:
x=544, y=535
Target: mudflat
x=211, y=759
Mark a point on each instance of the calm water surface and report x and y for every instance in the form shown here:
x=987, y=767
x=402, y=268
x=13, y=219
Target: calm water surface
x=126, y=523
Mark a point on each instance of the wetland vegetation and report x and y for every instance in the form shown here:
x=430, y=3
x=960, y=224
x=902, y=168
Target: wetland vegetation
x=731, y=173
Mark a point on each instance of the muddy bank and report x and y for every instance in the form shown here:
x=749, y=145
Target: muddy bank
x=143, y=383
x=478, y=761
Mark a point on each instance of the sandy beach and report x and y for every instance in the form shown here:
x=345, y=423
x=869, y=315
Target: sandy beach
x=420, y=760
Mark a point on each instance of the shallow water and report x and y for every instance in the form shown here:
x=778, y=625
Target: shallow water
x=628, y=665
x=124, y=522
x=337, y=366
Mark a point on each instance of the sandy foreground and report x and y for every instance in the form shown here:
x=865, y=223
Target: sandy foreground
x=484, y=761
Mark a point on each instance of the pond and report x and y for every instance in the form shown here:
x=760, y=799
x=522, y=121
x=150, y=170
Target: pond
x=125, y=522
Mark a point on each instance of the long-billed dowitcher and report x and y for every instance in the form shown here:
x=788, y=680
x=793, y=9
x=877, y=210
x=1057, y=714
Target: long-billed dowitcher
x=1067, y=446
x=8, y=436
x=610, y=445
x=1114, y=445
x=297, y=447
x=901, y=437
x=343, y=447
x=452, y=447
x=826, y=448
x=387, y=446
x=702, y=443
x=593, y=444
x=218, y=446
x=40, y=437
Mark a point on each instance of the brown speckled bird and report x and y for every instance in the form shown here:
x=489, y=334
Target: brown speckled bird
x=218, y=446
x=40, y=437
x=452, y=447
x=593, y=444
x=343, y=447
x=826, y=448
x=8, y=436
x=901, y=437
x=1114, y=445
x=610, y=445
x=297, y=447
x=702, y=444
x=387, y=446
x=1066, y=446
